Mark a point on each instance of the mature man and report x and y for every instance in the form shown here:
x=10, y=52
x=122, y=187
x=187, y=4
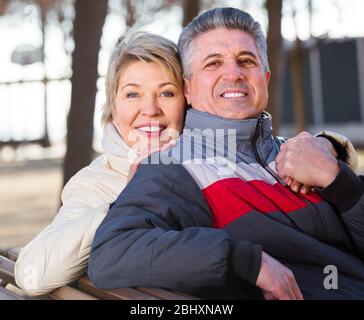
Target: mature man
x=215, y=217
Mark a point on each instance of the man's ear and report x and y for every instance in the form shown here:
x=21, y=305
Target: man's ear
x=186, y=89
x=267, y=76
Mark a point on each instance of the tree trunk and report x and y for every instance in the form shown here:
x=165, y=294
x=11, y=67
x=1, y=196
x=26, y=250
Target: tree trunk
x=275, y=51
x=191, y=9
x=296, y=69
x=43, y=21
x=89, y=20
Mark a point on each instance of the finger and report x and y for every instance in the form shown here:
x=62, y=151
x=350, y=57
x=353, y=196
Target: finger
x=296, y=290
x=284, y=295
x=291, y=292
x=168, y=145
x=152, y=148
x=286, y=291
x=289, y=181
x=269, y=296
x=305, y=189
x=295, y=186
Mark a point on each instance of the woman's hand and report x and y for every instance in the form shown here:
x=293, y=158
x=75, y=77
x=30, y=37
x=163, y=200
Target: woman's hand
x=146, y=152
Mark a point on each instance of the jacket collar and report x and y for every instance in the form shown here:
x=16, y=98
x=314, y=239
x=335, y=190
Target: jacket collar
x=245, y=129
x=118, y=153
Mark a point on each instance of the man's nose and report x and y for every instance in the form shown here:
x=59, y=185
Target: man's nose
x=150, y=108
x=232, y=71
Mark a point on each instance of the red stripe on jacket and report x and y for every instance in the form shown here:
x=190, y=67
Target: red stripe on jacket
x=232, y=198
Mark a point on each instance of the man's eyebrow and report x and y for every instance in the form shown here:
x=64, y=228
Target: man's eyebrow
x=247, y=53
x=241, y=53
x=212, y=55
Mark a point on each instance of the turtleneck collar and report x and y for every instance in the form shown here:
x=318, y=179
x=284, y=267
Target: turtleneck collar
x=118, y=153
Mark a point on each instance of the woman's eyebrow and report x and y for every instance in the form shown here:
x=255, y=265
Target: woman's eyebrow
x=132, y=84
x=166, y=83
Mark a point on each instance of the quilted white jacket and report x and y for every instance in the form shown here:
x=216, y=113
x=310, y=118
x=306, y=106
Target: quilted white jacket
x=59, y=253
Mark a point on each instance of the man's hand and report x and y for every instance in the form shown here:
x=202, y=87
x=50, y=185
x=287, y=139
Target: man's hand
x=306, y=160
x=276, y=281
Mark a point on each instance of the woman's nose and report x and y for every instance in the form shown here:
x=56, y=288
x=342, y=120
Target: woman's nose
x=151, y=108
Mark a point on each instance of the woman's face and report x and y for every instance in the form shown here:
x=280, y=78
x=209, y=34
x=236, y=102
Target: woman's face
x=149, y=104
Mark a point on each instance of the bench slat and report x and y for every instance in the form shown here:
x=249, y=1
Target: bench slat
x=7, y=270
x=116, y=294
x=13, y=253
x=8, y=295
x=165, y=294
x=69, y=293
x=188, y=296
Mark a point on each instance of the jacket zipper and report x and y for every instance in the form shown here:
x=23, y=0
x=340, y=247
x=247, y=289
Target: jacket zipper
x=319, y=225
x=257, y=134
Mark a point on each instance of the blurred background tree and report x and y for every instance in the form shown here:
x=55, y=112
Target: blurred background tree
x=88, y=24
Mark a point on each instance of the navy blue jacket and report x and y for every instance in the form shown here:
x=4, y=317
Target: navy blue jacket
x=197, y=228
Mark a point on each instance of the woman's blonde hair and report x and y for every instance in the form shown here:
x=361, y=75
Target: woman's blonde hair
x=140, y=46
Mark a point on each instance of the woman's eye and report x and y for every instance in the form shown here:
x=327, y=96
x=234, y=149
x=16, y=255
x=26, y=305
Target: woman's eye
x=167, y=94
x=132, y=95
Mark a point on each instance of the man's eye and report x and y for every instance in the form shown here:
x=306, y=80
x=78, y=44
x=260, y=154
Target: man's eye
x=167, y=94
x=247, y=62
x=132, y=95
x=212, y=64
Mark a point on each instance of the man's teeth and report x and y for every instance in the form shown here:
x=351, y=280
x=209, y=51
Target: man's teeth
x=234, y=94
x=150, y=129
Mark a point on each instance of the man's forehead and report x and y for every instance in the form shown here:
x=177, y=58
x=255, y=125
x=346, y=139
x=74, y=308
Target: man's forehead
x=223, y=41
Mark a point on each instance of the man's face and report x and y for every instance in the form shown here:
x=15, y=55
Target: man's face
x=227, y=76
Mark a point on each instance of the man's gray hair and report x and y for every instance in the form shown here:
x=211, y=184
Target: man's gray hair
x=228, y=18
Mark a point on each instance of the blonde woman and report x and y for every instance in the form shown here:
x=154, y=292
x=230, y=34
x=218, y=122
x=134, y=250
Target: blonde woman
x=144, y=103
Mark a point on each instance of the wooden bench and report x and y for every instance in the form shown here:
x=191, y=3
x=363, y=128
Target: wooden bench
x=82, y=289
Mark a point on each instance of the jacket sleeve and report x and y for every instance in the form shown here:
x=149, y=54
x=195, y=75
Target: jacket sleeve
x=342, y=145
x=158, y=234
x=346, y=195
x=58, y=254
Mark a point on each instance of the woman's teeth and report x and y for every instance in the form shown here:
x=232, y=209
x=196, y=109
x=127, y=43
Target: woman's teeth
x=150, y=129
